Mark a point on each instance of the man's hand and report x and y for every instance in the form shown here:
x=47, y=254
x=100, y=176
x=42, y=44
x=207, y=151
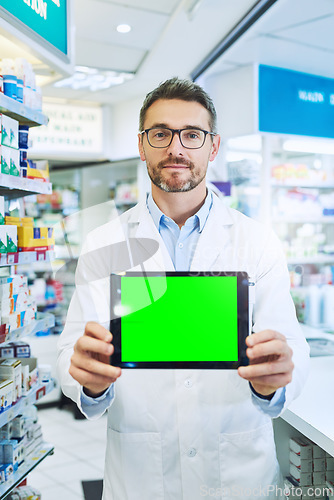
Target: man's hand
x=90, y=360
x=270, y=360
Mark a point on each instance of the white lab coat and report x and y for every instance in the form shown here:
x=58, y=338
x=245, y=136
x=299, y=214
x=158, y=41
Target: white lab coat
x=188, y=434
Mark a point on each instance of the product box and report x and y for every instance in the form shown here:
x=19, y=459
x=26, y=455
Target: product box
x=6, y=394
x=7, y=351
x=3, y=239
x=15, y=162
x=6, y=289
x=7, y=470
x=2, y=209
x=12, y=321
x=304, y=464
x=6, y=432
x=11, y=369
x=6, y=306
x=35, y=238
x=25, y=380
x=302, y=447
x=10, y=453
x=319, y=477
x=19, y=221
x=19, y=283
x=9, y=132
x=18, y=427
x=11, y=239
x=33, y=370
x=21, y=349
x=20, y=453
x=5, y=153
x=38, y=170
x=318, y=452
x=319, y=464
x=303, y=478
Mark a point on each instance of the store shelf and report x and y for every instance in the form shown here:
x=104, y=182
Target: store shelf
x=302, y=186
x=20, y=258
x=28, y=465
x=16, y=187
x=304, y=220
x=33, y=396
x=20, y=112
x=313, y=259
x=42, y=322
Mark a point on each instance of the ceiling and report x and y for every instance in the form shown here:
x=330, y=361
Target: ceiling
x=171, y=37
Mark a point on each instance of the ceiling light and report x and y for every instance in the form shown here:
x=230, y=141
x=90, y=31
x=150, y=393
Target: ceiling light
x=93, y=79
x=314, y=146
x=123, y=28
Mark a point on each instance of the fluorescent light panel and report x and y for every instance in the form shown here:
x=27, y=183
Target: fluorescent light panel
x=321, y=146
x=93, y=79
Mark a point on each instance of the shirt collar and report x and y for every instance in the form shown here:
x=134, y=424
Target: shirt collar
x=200, y=216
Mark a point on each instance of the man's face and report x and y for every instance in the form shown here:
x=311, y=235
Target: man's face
x=175, y=168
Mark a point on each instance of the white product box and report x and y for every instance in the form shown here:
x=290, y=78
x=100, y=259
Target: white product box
x=15, y=162
x=11, y=369
x=11, y=238
x=6, y=431
x=319, y=464
x=18, y=427
x=5, y=153
x=319, y=477
x=304, y=464
x=6, y=289
x=9, y=132
x=33, y=370
x=13, y=321
x=25, y=380
x=19, y=283
x=7, y=352
x=6, y=394
x=21, y=301
x=2, y=210
x=3, y=239
x=303, y=478
x=318, y=452
x=10, y=453
x=6, y=307
x=302, y=447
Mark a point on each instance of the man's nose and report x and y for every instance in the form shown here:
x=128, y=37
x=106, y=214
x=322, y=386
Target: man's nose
x=175, y=146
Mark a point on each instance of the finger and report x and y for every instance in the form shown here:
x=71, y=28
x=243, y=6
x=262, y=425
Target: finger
x=263, y=336
x=89, y=344
x=88, y=379
x=94, y=366
x=276, y=347
x=97, y=331
x=278, y=380
x=251, y=372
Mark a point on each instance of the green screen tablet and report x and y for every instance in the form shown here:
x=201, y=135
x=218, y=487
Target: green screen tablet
x=179, y=320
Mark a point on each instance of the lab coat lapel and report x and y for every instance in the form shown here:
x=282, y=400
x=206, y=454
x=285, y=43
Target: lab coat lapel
x=214, y=239
x=141, y=225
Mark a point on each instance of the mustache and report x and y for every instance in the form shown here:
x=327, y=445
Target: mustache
x=175, y=160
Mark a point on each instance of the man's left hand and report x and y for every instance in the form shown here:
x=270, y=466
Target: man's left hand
x=270, y=360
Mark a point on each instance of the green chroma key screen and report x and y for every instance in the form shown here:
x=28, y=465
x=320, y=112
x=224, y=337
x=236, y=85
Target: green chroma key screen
x=177, y=320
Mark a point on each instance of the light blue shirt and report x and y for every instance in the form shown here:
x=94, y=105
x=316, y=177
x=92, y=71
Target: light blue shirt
x=181, y=245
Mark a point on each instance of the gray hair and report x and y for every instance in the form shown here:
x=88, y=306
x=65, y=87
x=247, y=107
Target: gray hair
x=186, y=90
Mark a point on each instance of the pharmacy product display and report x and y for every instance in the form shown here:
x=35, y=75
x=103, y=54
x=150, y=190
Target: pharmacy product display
x=19, y=82
x=311, y=471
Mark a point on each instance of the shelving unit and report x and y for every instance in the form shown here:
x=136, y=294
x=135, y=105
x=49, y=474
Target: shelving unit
x=28, y=465
x=12, y=188
x=20, y=112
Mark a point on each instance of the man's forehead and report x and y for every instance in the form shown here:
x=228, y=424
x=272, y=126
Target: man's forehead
x=170, y=111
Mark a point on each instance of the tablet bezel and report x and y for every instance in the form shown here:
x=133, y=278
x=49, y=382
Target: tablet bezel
x=243, y=324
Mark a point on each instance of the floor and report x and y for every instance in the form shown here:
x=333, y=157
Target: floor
x=79, y=454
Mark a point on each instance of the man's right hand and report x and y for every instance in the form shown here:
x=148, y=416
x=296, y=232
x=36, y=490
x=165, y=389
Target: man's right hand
x=90, y=362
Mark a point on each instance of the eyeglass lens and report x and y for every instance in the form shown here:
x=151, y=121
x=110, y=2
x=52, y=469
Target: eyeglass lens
x=190, y=138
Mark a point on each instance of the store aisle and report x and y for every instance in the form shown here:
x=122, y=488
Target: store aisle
x=79, y=454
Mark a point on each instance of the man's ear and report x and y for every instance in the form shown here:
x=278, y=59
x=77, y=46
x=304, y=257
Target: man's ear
x=140, y=147
x=215, y=147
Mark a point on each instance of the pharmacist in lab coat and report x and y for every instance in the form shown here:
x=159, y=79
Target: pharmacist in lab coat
x=185, y=434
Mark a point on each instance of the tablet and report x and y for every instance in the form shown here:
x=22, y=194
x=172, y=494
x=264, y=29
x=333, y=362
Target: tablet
x=195, y=320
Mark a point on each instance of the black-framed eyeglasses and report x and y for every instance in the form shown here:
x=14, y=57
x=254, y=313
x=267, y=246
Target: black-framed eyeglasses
x=190, y=138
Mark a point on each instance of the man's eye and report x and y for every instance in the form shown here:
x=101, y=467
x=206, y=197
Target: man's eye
x=192, y=134
x=160, y=134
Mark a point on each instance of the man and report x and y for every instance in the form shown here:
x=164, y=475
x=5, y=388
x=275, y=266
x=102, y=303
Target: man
x=185, y=434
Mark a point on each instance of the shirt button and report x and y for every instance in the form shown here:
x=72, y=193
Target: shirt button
x=180, y=245
x=191, y=452
x=188, y=383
